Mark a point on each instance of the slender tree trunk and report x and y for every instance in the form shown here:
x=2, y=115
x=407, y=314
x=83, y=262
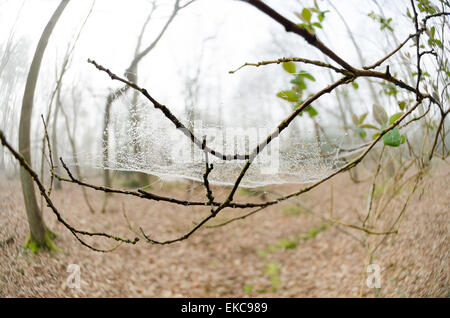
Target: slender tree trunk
x=135, y=120
x=131, y=76
x=38, y=231
x=106, y=176
x=105, y=142
x=71, y=136
x=57, y=183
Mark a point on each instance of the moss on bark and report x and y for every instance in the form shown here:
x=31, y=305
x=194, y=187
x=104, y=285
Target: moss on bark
x=34, y=245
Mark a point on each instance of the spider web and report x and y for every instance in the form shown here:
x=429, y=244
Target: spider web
x=152, y=145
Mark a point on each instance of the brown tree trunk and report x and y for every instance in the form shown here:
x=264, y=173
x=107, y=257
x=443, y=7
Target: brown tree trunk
x=39, y=236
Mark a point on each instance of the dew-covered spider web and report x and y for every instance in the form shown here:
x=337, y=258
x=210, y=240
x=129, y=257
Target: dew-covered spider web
x=142, y=139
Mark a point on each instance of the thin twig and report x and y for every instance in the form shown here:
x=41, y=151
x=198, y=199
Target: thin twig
x=208, y=169
x=49, y=154
x=291, y=59
x=372, y=188
x=379, y=62
x=144, y=194
x=441, y=124
x=402, y=212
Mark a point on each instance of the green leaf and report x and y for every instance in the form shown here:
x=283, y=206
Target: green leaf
x=403, y=139
x=316, y=6
x=289, y=67
x=395, y=117
x=306, y=75
x=321, y=16
x=311, y=111
x=362, y=117
x=288, y=95
x=392, y=138
x=355, y=85
x=317, y=25
x=361, y=132
x=301, y=84
x=369, y=126
x=306, y=14
x=308, y=27
x=402, y=104
x=380, y=114
x=355, y=119
x=298, y=80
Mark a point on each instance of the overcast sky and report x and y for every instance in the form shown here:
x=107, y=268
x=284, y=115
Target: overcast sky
x=241, y=34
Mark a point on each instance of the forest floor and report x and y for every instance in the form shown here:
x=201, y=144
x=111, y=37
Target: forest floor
x=282, y=251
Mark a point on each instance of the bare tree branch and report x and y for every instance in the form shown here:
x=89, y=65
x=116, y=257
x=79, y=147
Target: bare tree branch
x=50, y=204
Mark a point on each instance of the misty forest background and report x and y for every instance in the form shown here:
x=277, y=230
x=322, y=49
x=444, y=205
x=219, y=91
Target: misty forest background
x=96, y=95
